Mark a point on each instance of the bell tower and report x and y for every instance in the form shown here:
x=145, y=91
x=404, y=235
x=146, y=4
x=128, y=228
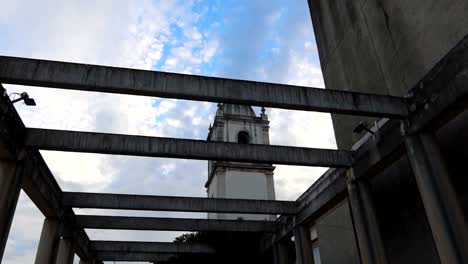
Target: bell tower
x=239, y=124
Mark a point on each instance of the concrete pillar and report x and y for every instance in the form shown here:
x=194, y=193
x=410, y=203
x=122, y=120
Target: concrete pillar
x=370, y=243
x=66, y=251
x=303, y=245
x=280, y=253
x=48, y=244
x=10, y=187
x=443, y=210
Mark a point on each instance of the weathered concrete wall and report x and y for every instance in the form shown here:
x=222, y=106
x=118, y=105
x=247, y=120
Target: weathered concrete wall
x=336, y=236
x=403, y=223
x=386, y=47
x=382, y=46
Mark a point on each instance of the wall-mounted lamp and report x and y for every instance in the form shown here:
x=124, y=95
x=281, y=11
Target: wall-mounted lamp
x=24, y=97
x=361, y=127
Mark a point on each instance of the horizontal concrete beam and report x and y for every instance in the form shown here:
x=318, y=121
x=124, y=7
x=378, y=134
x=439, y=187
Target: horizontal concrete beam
x=95, y=78
x=183, y=148
x=172, y=224
x=132, y=256
x=151, y=247
x=175, y=203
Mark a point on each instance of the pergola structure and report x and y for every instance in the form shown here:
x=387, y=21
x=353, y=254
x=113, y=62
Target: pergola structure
x=406, y=127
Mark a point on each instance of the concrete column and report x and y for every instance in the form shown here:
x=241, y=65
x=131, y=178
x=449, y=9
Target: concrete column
x=48, y=244
x=280, y=253
x=10, y=187
x=365, y=222
x=303, y=245
x=443, y=210
x=66, y=251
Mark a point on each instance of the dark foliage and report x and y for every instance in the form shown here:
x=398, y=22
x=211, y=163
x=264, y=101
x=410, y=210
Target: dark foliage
x=231, y=247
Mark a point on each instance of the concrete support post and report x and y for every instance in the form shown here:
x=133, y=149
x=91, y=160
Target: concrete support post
x=66, y=251
x=10, y=187
x=280, y=253
x=443, y=210
x=367, y=229
x=48, y=244
x=303, y=244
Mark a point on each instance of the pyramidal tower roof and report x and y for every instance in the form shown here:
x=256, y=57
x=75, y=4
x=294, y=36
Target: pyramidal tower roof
x=240, y=110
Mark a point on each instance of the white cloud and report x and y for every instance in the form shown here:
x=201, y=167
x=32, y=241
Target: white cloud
x=138, y=35
x=119, y=33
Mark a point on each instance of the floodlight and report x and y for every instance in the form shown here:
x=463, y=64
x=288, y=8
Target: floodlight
x=361, y=127
x=27, y=100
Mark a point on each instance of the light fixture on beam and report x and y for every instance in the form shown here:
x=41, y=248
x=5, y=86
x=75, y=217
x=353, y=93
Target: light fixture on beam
x=24, y=97
x=361, y=127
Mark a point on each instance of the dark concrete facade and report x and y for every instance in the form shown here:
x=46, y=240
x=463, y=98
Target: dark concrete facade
x=382, y=46
x=388, y=47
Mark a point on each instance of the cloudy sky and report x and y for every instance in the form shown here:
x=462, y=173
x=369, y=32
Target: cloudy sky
x=256, y=40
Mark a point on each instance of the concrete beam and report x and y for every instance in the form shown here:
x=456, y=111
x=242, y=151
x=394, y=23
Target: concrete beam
x=172, y=224
x=132, y=256
x=183, y=148
x=95, y=78
x=151, y=247
x=175, y=203
x=11, y=173
x=442, y=93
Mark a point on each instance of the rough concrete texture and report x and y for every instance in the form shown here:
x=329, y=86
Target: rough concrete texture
x=183, y=148
x=175, y=203
x=449, y=228
x=161, y=84
x=49, y=241
x=66, y=251
x=336, y=236
x=172, y=224
x=382, y=46
x=366, y=225
x=404, y=227
x=387, y=47
x=132, y=256
x=303, y=245
x=154, y=247
x=10, y=186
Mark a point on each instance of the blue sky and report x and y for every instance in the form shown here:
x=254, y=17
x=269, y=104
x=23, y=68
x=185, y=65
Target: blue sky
x=257, y=40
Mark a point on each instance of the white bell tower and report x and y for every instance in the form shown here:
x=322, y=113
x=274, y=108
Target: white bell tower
x=238, y=123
